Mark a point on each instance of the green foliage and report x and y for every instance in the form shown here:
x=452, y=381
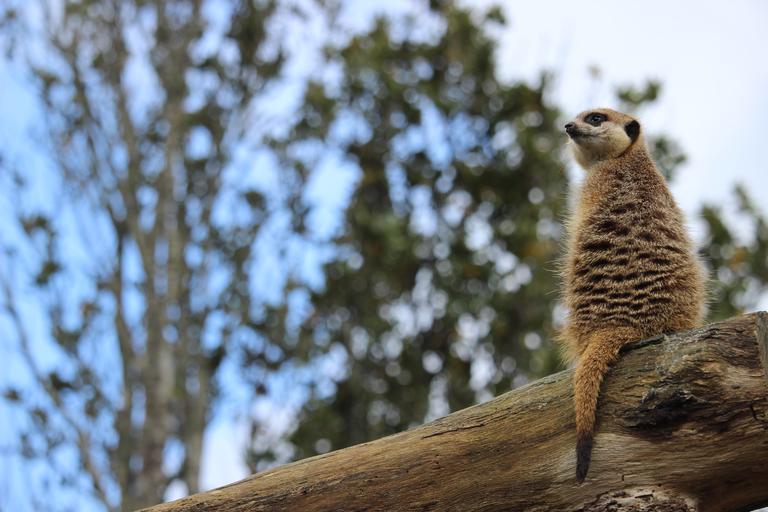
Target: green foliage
x=633, y=97
x=444, y=289
x=146, y=260
x=737, y=254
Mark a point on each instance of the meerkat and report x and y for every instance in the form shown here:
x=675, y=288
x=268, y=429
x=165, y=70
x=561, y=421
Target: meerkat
x=630, y=270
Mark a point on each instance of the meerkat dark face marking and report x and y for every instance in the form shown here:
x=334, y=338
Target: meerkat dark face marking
x=601, y=134
x=633, y=130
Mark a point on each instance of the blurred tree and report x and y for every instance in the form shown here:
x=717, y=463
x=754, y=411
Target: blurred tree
x=445, y=289
x=738, y=255
x=446, y=280
x=126, y=293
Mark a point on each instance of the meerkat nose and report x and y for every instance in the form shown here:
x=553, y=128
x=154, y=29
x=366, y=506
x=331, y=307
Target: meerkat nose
x=570, y=127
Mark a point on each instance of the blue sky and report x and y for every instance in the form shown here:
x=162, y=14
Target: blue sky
x=714, y=102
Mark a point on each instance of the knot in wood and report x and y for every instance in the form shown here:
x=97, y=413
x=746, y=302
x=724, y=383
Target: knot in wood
x=663, y=409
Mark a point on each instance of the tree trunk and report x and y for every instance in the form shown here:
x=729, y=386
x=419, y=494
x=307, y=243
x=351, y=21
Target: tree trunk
x=683, y=426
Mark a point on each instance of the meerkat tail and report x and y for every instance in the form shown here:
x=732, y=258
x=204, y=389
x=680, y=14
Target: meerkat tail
x=601, y=353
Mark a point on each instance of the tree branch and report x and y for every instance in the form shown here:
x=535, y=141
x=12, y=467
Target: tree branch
x=683, y=425
x=83, y=439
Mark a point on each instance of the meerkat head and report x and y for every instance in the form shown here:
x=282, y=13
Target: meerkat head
x=601, y=134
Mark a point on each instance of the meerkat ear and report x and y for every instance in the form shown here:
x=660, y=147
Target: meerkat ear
x=633, y=130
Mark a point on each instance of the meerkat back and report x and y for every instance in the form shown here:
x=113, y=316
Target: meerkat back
x=630, y=270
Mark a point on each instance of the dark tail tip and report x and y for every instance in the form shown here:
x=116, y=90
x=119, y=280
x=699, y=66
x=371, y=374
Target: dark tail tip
x=583, y=455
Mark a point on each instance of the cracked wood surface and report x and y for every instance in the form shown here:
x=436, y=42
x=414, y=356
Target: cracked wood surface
x=683, y=426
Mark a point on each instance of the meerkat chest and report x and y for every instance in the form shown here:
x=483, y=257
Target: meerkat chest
x=628, y=256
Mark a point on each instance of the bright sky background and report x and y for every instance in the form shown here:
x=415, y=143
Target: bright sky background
x=708, y=55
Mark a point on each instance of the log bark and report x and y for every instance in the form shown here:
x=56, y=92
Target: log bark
x=683, y=426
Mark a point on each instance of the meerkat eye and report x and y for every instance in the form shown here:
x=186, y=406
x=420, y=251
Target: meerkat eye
x=595, y=118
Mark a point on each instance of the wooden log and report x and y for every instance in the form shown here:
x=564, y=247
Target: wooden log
x=683, y=426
